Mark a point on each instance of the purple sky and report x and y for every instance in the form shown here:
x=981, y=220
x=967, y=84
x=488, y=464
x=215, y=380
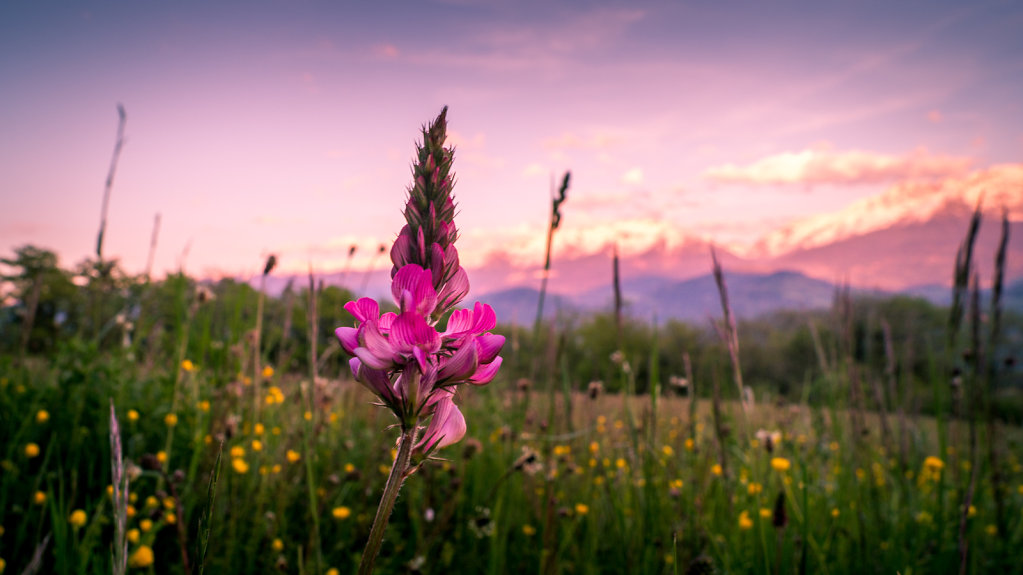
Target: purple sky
x=289, y=127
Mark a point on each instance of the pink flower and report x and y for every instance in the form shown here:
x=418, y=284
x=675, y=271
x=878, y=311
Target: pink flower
x=401, y=357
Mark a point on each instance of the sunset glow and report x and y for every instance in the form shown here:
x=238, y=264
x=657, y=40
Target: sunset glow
x=289, y=129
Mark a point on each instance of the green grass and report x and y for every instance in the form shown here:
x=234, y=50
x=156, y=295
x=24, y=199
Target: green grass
x=605, y=498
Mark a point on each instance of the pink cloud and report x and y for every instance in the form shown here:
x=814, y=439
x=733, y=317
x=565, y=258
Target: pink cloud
x=821, y=166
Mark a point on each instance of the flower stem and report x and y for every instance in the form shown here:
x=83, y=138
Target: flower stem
x=394, y=481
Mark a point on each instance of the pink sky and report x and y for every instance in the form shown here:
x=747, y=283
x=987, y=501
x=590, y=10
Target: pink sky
x=289, y=129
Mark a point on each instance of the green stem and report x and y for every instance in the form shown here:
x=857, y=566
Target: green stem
x=394, y=481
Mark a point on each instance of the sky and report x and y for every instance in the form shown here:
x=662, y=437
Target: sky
x=289, y=127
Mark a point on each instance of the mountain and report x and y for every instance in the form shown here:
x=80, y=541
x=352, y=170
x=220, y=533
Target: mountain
x=904, y=204
x=694, y=299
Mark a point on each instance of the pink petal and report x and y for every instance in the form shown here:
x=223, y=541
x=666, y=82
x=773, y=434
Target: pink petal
x=436, y=262
x=461, y=321
x=446, y=428
x=363, y=309
x=375, y=343
x=372, y=360
x=375, y=380
x=386, y=321
x=349, y=338
x=412, y=289
x=486, y=373
x=401, y=251
x=489, y=345
x=410, y=331
x=485, y=318
x=461, y=364
x=455, y=290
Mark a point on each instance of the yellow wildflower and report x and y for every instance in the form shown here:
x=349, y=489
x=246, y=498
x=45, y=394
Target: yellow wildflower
x=31, y=450
x=294, y=456
x=257, y=445
x=42, y=416
x=171, y=419
x=161, y=456
x=145, y=525
x=187, y=365
x=237, y=451
x=582, y=508
x=39, y=498
x=268, y=371
x=141, y=558
x=765, y=513
x=204, y=405
x=780, y=464
x=133, y=535
x=341, y=512
x=932, y=463
x=239, y=465
x=716, y=469
x=133, y=415
x=277, y=545
x=745, y=522
x=333, y=571
x=528, y=530
x=77, y=518
x=258, y=429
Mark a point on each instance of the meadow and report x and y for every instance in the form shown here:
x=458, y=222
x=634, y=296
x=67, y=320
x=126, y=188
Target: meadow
x=186, y=426
x=233, y=470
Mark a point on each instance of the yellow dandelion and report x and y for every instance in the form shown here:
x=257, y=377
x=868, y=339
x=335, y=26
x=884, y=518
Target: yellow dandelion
x=268, y=371
x=528, y=530
x=349, y=468
x=667, y=451
x=170, y=518
x=237, y=451
x=39, y=498
x=341, y=513
x=716, y=469
x=77, y=518
x=745, y=522
x=258, y=429
x=753, y=488
x=293, y=456
x=582, y=508
x=257, y=445
x=835, y=512
x=204, y=405
x=42, y=416
x=690, y=444
x=161, y=456
x=594, y=447
x=133, y=415
x=620, y=463
x=130, y=511
x=31, y=450
x=765, y=513
x=152, y=501
x=187, y=365
x=308, y=416
x=277, y=545
x=133, y=535
x=991, y=530
x=933, y=463
x=333, y=571
x=240, y=466
x=171, y=419
x=141, y=558
x=780, y=464
x=145, y=525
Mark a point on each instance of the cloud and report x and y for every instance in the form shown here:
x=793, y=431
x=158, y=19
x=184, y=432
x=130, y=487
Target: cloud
x=570, y=141
x=821, y=166
x=633, y=176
